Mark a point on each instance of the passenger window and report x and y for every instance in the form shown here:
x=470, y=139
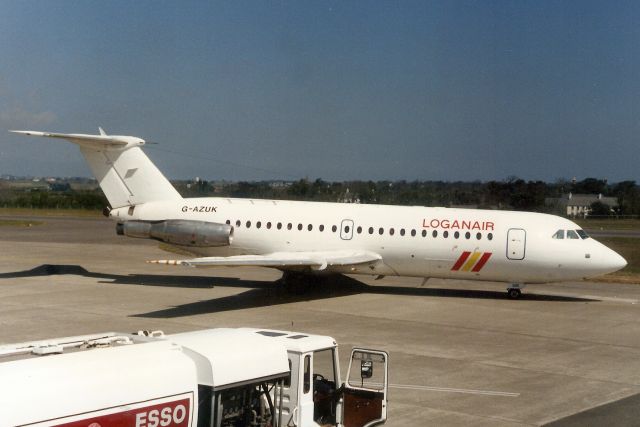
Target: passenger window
x=289, y=226
x=238, y=223
x=572, y=235
x=381, y=231
x=346, y=229
x=287, y=380
x=445, y=234
x=268, y=225
x=391, y=231
x=559, y=234
x=359, y=230
x=310, y=227
x=248, y=224
x=456, y=234
x=321, y=228
x=434, y=234
x=228, y=222
x=299, y=227
x=307, y=374
x=478, y=236
x=413, y=233
x=370, y=230
x=334, y=228
x=258, y=224
x=424, y=233
x=467, y=235
x=490, y=236
x=402, y=231
x=279, y=226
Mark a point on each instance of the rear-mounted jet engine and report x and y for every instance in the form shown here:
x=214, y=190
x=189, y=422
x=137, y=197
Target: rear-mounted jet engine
x=179, y=232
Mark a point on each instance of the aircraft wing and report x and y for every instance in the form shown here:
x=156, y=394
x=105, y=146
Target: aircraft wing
x=316, y=260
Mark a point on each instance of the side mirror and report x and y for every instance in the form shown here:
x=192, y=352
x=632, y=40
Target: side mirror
x=366, y=369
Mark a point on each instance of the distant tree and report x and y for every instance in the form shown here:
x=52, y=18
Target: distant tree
x=628, y=195
x=245, y=189
x=527, y=196
x=496, y=193
x=299, y=189
x=60, y=186
x=590, y=186
x=599, y=209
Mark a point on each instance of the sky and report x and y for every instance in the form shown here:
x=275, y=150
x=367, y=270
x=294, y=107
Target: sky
x=339, y=90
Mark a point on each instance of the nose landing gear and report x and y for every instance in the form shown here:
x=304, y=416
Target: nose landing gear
x=514, y=291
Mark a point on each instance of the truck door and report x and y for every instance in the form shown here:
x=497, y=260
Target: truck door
x=365, y=389
x=318, y=397
x=516, y=243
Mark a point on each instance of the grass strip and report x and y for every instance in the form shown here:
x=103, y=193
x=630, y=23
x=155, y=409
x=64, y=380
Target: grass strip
x=81, y=213
x=18, y=223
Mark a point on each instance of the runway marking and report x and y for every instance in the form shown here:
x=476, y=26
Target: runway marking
x=454, y=390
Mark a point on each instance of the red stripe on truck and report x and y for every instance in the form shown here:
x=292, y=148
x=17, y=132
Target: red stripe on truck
x=168, y=414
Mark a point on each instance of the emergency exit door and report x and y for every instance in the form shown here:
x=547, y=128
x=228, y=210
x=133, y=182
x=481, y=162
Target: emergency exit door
x=516, y=243
x=346, y=229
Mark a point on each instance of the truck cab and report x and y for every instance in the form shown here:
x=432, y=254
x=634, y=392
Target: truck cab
x=314, y=393
x=211, y=378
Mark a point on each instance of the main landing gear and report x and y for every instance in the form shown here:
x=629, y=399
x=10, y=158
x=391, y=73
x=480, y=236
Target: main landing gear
x=514, y=291
x=300, y=283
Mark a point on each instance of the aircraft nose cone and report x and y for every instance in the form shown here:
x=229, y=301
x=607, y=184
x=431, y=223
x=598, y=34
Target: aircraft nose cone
x=612, y=261
x=618, y=262
x=602, y=260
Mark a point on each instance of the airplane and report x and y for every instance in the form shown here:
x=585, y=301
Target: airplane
x=311, y=239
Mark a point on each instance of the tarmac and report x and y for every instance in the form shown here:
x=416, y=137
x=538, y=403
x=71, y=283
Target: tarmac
x=461, y=353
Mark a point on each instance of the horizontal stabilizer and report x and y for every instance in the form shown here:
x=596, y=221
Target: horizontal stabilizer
x=316, y=260
x=91, y=141
x=125, y=174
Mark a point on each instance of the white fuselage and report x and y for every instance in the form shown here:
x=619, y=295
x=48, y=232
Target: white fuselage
x=515, y=247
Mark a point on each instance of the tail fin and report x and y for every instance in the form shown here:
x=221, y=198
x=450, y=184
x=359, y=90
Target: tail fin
x=125, y=174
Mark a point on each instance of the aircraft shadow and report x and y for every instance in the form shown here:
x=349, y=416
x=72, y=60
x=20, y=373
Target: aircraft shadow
x=265, y=293
x=194, y=282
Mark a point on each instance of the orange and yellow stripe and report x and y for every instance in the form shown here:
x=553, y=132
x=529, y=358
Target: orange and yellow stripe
x=473, y=262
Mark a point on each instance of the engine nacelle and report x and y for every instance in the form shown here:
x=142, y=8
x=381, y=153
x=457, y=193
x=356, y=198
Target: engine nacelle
x=179, y=232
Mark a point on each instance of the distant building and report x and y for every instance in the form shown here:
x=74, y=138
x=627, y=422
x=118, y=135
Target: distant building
x=579, y=205
x=279, y=184
x=347, y=197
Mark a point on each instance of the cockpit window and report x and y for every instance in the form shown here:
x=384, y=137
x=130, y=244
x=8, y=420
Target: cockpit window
x=582, y=234
x=572, y=235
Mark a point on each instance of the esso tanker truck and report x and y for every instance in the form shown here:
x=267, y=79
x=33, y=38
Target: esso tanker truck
x=210, y=378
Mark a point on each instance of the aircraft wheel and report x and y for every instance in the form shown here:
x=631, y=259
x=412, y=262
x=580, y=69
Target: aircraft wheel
x=514, y=293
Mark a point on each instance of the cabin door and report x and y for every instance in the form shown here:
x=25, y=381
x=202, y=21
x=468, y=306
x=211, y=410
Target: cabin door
x=346, y=229
x=516, y=243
